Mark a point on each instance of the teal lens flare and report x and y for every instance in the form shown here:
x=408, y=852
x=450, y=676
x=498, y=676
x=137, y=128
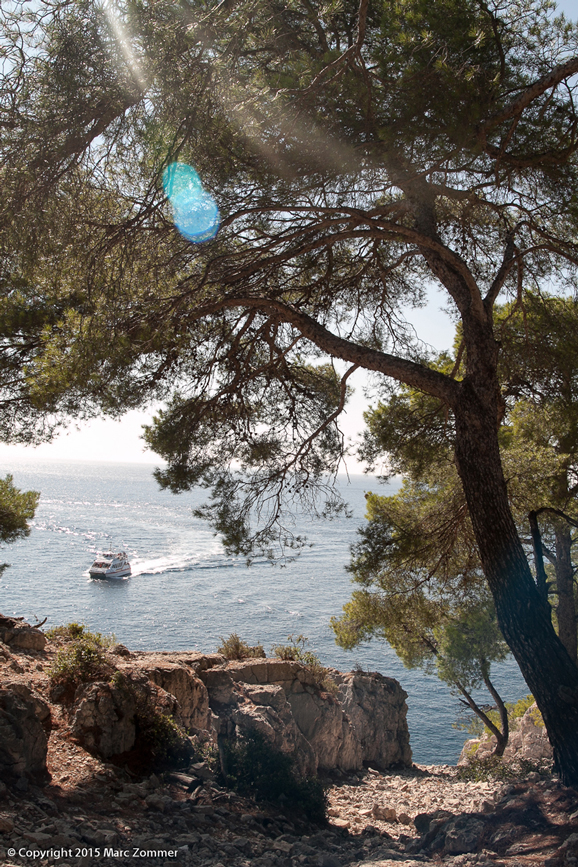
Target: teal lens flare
x=195, y=211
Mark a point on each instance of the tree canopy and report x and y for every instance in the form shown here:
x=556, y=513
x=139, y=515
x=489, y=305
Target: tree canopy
x=416, y=569
x=16, y=509
x=427, y=526
x=357, y=152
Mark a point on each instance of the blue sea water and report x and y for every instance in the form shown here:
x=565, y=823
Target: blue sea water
x=185, y=593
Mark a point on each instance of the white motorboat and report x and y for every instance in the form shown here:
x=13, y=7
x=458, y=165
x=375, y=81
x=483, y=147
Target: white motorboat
x=110, y=565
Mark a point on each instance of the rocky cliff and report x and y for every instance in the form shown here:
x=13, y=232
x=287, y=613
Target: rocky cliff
x=62, y=802
x=361, y=722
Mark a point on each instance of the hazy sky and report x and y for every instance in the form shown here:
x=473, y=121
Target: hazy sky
x=107, y=440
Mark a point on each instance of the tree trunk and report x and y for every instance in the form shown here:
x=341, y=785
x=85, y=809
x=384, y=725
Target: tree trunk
x=502, y=742
x=524, y=617
x=500, y=736
x=566, y=610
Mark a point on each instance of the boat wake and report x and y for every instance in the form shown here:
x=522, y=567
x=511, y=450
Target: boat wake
x=179, y=563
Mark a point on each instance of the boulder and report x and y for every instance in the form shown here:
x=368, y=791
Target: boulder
x=463, y=835
x=104, y=719
x=104, y=714
x=376, y=708
x=23, y=741
x=18, y=634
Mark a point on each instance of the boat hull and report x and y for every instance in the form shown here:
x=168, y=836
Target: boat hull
x=109, y=573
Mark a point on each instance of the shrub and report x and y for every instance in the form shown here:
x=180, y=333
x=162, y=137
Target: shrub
x=495, y=768
x=297, y=652
x=257, y=769
x=74, y=631
x=234, y=648
x=82, y=659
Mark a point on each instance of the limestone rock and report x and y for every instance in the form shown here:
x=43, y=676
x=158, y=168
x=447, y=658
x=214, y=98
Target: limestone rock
x=104, y=714
x=41, y=708
x=104, y=719
x=220, y=687
x=18, y=634
x=321, y=720
x=322, y=731
x=376, y=707
x=268, y=712
x=189, y=690
x=462, y=835
x=23, y=742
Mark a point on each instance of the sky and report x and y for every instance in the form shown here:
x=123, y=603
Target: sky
x=111, y=440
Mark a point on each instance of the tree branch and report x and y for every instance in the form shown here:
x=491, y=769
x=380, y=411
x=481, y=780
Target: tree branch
x=529, y=94
x=402, y=369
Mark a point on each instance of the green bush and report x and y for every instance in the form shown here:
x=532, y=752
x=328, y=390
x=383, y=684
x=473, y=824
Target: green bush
x=82, y=658
x=495, y=768
x=74, y=631
x=234, y=648
x=296, y=651
x=256, y=769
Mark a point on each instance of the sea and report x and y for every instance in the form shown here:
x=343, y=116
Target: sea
x=186, y=593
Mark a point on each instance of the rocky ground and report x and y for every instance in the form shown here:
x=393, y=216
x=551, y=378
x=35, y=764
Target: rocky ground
x=97, y=814
x=91, y=811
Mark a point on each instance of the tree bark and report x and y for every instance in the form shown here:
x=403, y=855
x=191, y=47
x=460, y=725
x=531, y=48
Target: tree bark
x=502, y=742
x=524, y=617
x=500, y=736
x=566, y=610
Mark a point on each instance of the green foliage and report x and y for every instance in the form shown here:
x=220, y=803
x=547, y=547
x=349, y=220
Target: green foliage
x=517, y=710
x=256, y=769
x=296, y=650
x=418, y=549
x=496, y=768
x=234, y=648
x=16, y=509
x=74, y=631
x=466, y=646
x=303, y=150
x=358, y=152
x=83, y=657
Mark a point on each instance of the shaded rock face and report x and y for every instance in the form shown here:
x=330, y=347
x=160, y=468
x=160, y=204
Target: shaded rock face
x=18, y=634
x=23, y=741
x=321, y=719
x=104, y=719
x=238, y=707
x=104, y=716
x=267, y=710
x=365, y=722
